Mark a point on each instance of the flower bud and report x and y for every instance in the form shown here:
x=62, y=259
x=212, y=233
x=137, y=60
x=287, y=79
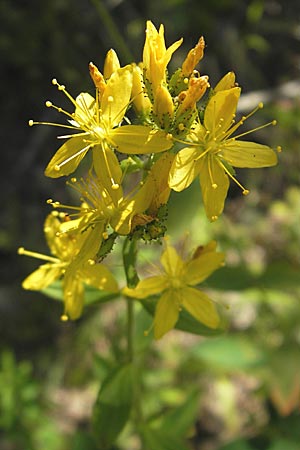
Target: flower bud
x=227, y=82
x=193, y=57
x=111, y=64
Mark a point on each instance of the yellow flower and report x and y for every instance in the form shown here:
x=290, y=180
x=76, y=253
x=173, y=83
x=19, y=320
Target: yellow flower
x=156, y=56
x=176, y=286
x=95, y=123
x=72, y=261
x=211, y=152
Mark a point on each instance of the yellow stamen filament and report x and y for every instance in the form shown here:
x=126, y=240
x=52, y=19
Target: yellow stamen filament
x=22, y=251
x=244, y=191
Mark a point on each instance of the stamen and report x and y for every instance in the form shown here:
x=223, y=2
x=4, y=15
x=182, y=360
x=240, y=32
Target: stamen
x=244, y=191
x=22, y=251
x=58, y=166
x=64, y=318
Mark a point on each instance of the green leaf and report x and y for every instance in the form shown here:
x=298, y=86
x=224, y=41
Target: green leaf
x=186, y=321
x=92, y=295
x=180, y=419
x=160, y=440
x=113, y=405
x=229, y=353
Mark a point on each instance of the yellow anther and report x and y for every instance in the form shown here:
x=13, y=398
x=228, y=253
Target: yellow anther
x=260, y=105
x=214, y=186
x=91, y=262
x=169, y=136
x=105, y=235
x=21, y=250
x=73, y=179
x=49, y=201
x=246, y=192
x=279, y=148
x=56, y=168
x=274, y=122
x=181, y=126
x=30, y=122
x=110, y=99
x=186, y=81
x=115, y=186
x=64, y=317
x=214, y=218
x=48, y=104
x=54, y=81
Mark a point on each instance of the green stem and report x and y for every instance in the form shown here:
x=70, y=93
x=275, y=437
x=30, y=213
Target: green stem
x=130, y=329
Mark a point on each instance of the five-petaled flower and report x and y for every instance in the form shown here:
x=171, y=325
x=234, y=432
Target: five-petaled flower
x=176, y=284
x=211, y=152
x=72, y=261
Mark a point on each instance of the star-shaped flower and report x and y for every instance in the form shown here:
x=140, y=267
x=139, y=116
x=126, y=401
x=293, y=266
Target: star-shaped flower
x=96, y=125
x=212, y=151
x=176, y=284
x=72, y=261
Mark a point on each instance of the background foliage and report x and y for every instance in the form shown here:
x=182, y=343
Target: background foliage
x=246, y=383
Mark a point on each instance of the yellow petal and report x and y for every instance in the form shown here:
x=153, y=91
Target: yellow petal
x=184, y=169
x=227, y=82
x=73, y=296
x=67, y=157
x=214, y=186
x=248, y=154
x=108, y=171
x=116, y=97
x=198, y=269
x=172, y=262
x=200, y=306
x=166, y=313
x=220, y=111
x=85, y=108
x=136, y=139
x=99, y=276
x=147, y=287
x=42, y=277
x=159, y=174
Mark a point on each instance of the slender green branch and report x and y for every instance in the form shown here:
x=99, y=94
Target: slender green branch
x=113, y=31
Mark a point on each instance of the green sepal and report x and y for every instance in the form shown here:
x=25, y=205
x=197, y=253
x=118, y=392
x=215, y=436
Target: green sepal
x=186, y=321
x=176, y=83
x=106, y=246
x=113, y=406
x=129, y=260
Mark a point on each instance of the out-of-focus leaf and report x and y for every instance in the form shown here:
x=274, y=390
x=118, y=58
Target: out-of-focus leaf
x=284, y=379
x=229, y=353
x=284, y=444
x=180, y=419
x=186, y=321
x=160, y=440
x=279, y=275
x=91, y=294
x=237, y=445
x=113, y=406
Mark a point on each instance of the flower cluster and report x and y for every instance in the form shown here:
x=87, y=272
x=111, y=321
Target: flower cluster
x=147, y=131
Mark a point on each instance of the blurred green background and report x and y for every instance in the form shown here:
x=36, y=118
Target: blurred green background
x=248, y=380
